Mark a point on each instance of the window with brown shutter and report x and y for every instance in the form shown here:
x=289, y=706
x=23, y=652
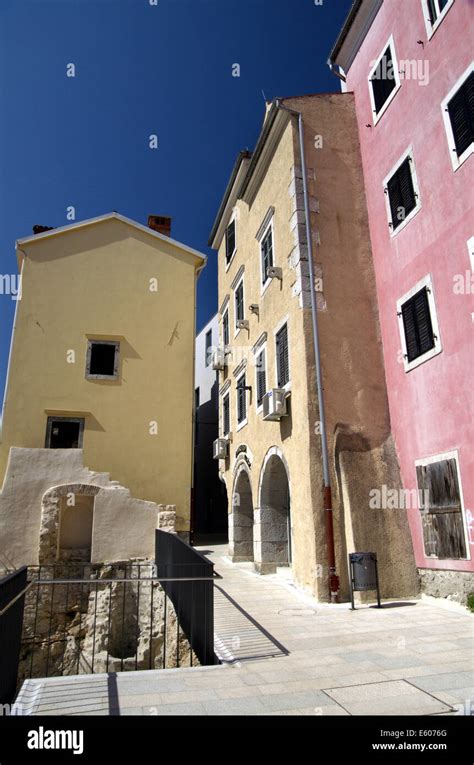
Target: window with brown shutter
x=282, y=357
x=441, y=511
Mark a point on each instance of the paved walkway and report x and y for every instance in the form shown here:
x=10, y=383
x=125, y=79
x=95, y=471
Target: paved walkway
x=285, y=654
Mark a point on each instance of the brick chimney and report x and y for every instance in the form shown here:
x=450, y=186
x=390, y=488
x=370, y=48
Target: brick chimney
x=41, y=229
x=160, y=223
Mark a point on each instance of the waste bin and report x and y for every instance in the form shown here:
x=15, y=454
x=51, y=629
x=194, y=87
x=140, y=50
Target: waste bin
x=363, y=574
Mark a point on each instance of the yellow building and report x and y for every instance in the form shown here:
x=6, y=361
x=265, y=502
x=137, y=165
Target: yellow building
x=270, y=450
x=102, y=356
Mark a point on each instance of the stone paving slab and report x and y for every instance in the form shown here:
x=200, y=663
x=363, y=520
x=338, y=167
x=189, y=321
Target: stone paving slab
x=287, y=654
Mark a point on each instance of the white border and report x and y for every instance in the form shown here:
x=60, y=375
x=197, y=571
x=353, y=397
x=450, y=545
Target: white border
x=455, y=160
x=240, y=425
x=416, y=188
x=454, y=454
x=431, y=28
x=376, y=117
x=280, y=324
x=470, y=249
x=438, y=347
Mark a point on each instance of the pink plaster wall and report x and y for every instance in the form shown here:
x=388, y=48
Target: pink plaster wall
x=431, y=406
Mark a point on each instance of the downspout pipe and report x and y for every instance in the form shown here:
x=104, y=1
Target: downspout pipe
x=333, y=579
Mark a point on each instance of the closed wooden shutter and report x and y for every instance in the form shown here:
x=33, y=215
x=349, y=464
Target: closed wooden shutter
x=226, y=414
x=417, y=325
x=239, y=302
x=225, y=328
x=441, y=511
x=283, y=364
x=229, y=241
x=261, y=377
x=461, y=114
x=241, y=401
x=267, y=254
x=383, y=81
x=401, y=193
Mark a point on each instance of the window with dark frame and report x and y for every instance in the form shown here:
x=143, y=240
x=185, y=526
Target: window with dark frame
x=226, y=415
x=230, y=241
x=266, y=253
x=239, y=302
x=225, y=328
x=64, y=433
x=241, y=399
x=383, y=80
x=102, y=359
x=282, y=357
x=417, y=325
x=401, y=193
x=261, y=376
x=461, y=115
x=441, y=510
x=208, y=351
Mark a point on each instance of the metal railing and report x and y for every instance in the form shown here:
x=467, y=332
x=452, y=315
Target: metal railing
x=187, y=578
x=85, y=618
x=12, y=596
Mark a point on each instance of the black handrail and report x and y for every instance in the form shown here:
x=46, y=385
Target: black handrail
x=12, y=601
x=176, y=564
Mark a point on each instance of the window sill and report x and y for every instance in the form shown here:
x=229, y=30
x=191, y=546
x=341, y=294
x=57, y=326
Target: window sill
x=459, y=161
x=241, y=425
x=410, y=216
x=265, y=286
x=421, y=359
x=229, y=263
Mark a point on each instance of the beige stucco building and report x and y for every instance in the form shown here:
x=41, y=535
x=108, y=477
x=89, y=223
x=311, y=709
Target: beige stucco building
x=273, y=467
x=102, y=363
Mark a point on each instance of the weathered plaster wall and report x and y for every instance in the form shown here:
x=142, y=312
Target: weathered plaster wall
x=351, y=353
x=123, y=527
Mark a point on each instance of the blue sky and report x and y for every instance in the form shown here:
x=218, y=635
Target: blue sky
x=142, y=69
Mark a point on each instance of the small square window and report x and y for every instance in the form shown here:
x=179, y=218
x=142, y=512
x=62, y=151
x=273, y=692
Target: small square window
x=64, y=433
x=102, y=359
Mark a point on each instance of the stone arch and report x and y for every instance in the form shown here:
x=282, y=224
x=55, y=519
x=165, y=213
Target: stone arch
x=51, y=504
x=273, y=516
x=241, y=518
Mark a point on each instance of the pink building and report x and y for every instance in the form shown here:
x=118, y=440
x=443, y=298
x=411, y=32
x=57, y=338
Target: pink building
x=410, y=67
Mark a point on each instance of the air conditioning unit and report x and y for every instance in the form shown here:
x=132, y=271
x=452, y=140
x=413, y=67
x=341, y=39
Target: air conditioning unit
x=218, y=358
x=274, y=272
x=220, y=448
x=242, y=324
x=274, y=404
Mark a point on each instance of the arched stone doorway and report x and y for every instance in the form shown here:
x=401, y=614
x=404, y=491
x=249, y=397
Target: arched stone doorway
x=273, y=516
x=66, y=523
x=241, y=519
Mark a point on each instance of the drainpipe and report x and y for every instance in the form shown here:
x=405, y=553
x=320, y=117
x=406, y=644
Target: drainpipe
x=333, y=579
x=336, y=71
